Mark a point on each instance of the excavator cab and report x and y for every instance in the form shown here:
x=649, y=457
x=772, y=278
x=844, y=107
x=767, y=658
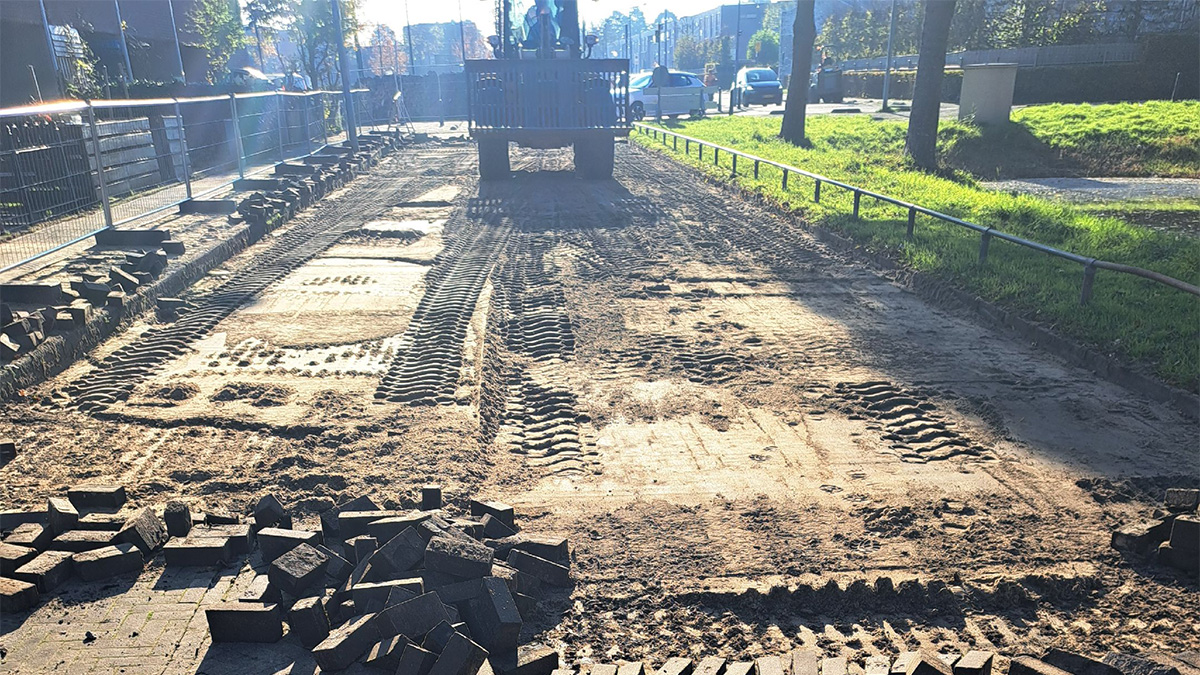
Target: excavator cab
x=543, y=91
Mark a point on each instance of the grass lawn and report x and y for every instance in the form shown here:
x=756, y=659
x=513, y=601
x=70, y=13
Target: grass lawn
x=1155, y=138
x=1136, y=319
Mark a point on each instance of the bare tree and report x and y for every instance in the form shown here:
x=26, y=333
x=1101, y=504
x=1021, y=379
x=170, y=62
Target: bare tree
x=804, y=33
x=921, y=144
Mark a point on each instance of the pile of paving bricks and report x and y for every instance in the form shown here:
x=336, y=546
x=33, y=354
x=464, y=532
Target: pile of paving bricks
x=1172, y=536
x=59, y=308
x=408, y=591
x=812, y=662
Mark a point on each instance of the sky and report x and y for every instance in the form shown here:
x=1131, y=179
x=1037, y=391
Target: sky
x=482, y=12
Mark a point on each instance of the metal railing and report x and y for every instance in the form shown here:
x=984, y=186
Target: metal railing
x=1024, y=57
x=72, y=169
x=986, y=233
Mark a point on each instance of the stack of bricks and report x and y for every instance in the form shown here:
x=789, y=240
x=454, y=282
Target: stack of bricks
x=412, y=592
x=1172, y=536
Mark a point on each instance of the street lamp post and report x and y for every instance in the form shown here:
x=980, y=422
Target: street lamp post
x=408, y=30
x=887, y=73
x=344, y=65
x=124, y=45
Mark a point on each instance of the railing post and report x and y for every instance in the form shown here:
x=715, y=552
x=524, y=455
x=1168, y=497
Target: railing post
x=756, y=169
x=237, y=137
x=817, y=192
x=108, y=219
x=716, y=156
x=785, y=177
x=700, y=147
x=279, y=123
x=857, y=199
x=675, y=143
x=734, y=173
x=1089, y=276
x=187, y=163
x=912, y=222
x=324, y=126
x=984, y=240
x=687, y=146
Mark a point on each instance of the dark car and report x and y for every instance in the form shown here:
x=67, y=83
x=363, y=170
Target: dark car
x=758, y=85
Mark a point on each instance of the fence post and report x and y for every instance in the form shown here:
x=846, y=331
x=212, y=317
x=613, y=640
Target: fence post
x=108, y=219
x=700, y=147
x=716, y=156
x=187, y=163
x=324, y=126
x=912, y=222
x=279, y=123
x=756, y=169
x=1089, y=276
x=307, y=128
x=675, y=143
x=734, y=164
x=817, y=192
x=237, y=137
x=785, y=176
x=857, y=199
x=984, y=240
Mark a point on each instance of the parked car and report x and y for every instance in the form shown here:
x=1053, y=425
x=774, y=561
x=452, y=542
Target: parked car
x=683, y=94
x=758, y=85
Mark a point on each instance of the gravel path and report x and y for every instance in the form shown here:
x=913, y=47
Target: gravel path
x=1085, y=190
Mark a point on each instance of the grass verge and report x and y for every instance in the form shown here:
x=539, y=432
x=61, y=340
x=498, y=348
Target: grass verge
x=1131, y=318
x=1155, y=138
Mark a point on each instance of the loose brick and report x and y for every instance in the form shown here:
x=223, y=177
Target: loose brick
x=269, y=511
x=976, y=662
x=239, y=535
x=363, y=547
x=31, y=535
x=740, y=668
x=460, y=657
x=610, y=668
x=372, y=596
x=13, y=556
x=437, y=637
x=928, y=663
x=355, y=523
x=178, y=517
x=198, y=552
x=1185, y=535
x=1076, y=664
x=309, y=621
x=431, y=497
x=458, y=558
x=769, y=665
x=274, y=542
x=413, y=618
x=385, y=654
x=77, y=541
x=499, y=510
x=384, y=529
x=107, y=562
x=97, y=496
x=1138, y=537
x=1027, y=665
x=541, y=569
x=245, y=622
x=709, y=665
x=47, y=571
x=494, y=618
x=261, y=590
x=347, y=643
x=339, y=568
x=461, y=591
x=526, y=605
x=16, y=595
x=416, y=661
x=436, y=526
x=806, y=662
x=61, y=515
x=111, y=522
x=494, y=528
x=145, y=531
x=537, y=660
x=1182, y=499
x=676, y=665
x=1146, y=664
x=11, y=519
x=222, y=518
x=297, y=570
x=400, y=554
x=550, y=548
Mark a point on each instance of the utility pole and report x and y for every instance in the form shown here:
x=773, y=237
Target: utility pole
x=462, y=34
x=344, y=66
x=412, y=61
x=887, y=73
x=124, y=45
x=50, y=46
x=178, y=51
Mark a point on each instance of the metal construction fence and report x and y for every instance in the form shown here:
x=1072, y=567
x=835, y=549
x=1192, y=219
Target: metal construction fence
x=986, y=233
x=71, y=169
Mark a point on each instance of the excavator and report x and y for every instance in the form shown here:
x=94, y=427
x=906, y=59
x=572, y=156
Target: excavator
x=542, y=89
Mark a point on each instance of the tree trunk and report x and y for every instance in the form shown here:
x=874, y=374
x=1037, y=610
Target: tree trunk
x=804, y=33
x=927, y=92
